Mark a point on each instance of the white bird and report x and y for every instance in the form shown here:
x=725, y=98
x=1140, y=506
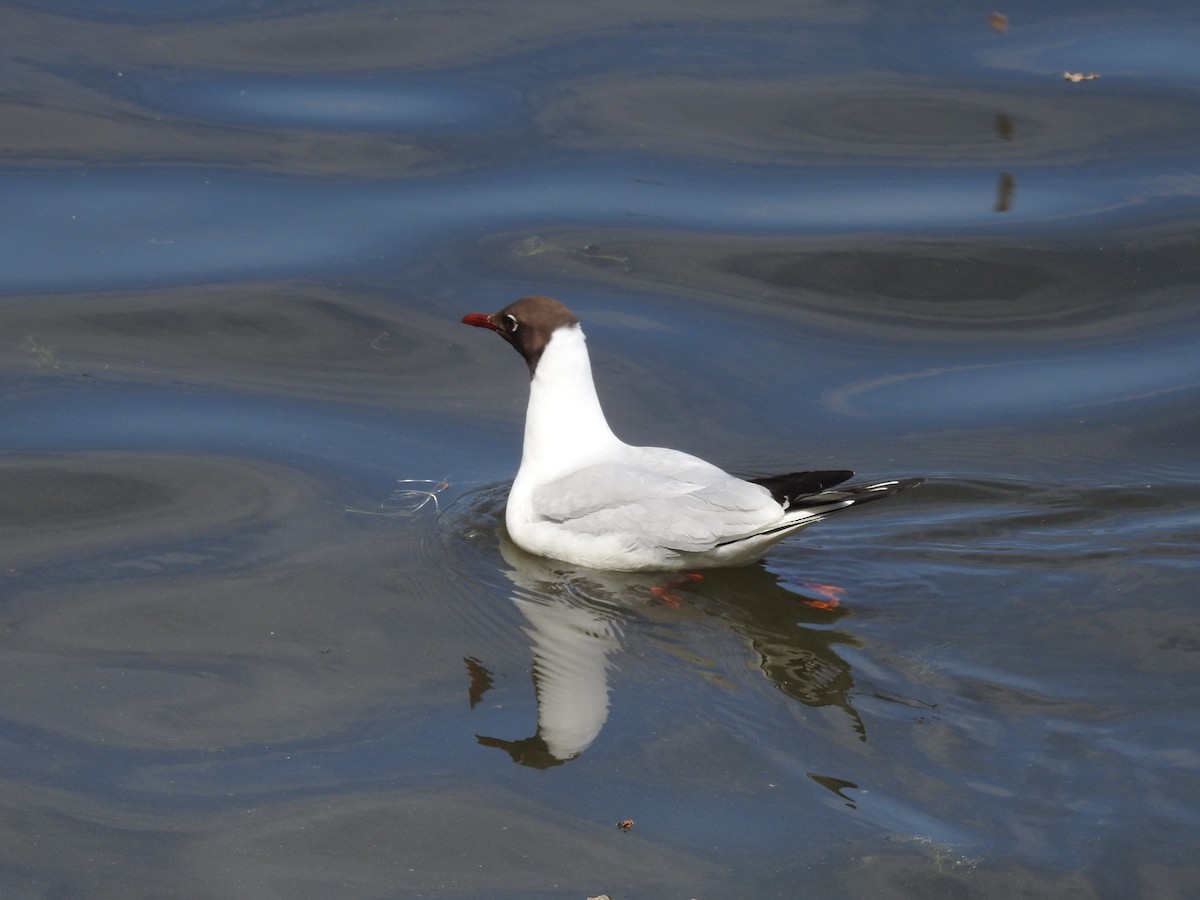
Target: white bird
x=585, y=497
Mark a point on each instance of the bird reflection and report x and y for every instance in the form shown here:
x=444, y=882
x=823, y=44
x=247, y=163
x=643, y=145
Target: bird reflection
x=1005, y=129
x=570, y=643
x=1007, y=188
x=573, y=626
x=575, y=620
x=481, y=680
x=1005, y=191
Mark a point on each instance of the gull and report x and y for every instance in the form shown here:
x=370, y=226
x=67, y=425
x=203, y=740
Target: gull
x=585, y=497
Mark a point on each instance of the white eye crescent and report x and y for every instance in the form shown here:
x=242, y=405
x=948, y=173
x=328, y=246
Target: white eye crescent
x=512, y=319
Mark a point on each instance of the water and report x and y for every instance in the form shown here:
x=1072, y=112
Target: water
x=261, y=633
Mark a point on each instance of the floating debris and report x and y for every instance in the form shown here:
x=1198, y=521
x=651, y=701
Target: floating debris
x=1076, y=77
x=625, y=824
x=998, y=21
x=408, y=501
x=42, y=356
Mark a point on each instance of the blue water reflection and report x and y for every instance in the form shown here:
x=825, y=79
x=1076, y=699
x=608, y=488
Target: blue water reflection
x=105, y=229
x=253, y=469
x=144, y=11
x=344, y=104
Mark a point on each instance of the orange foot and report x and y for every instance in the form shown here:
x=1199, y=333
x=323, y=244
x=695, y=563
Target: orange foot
x=663, y=591
x=829, y=594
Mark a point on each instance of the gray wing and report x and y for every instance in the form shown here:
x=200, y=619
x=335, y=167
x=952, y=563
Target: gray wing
x=659, y=498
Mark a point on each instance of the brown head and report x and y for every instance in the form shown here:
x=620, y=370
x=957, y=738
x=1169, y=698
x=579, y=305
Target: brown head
x=527, y=324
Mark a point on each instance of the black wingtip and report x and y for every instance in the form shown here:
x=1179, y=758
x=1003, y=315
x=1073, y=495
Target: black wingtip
x=789, y=488
x=798, y=490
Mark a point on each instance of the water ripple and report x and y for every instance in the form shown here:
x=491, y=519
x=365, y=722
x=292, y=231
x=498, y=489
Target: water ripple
x=1054, y=386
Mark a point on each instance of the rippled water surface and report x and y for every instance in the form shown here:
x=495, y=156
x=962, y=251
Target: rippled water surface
x=261, y=631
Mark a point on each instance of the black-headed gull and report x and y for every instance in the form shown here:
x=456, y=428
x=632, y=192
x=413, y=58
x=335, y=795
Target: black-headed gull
x=584, y=496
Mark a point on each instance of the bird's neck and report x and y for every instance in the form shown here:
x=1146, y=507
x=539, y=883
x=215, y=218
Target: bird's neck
x=564, y=425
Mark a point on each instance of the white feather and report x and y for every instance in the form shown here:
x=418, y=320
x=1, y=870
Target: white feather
x=585, y=496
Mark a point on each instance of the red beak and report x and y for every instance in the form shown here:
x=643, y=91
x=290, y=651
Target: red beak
x=479, y=320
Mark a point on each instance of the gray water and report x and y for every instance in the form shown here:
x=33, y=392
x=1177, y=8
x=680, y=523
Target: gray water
x=261, y=632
